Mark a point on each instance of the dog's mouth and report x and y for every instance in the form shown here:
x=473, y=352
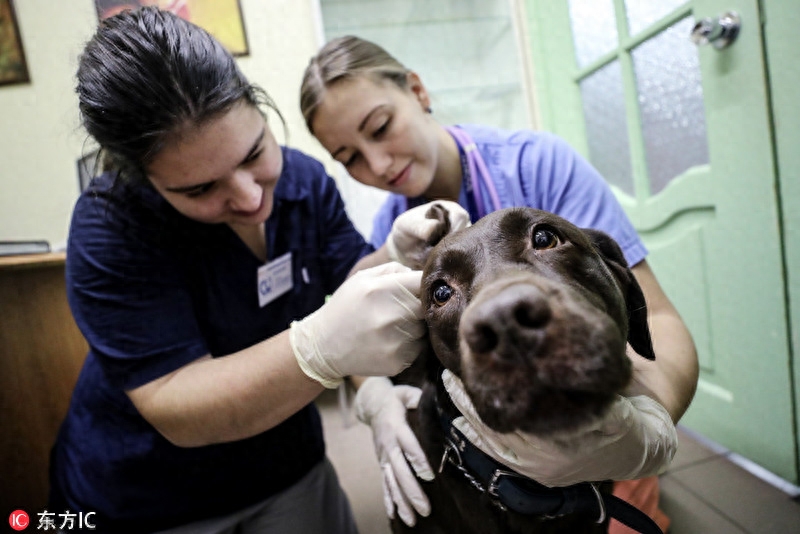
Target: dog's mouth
x=540, y=365
x=543, y=412
x=545, y=394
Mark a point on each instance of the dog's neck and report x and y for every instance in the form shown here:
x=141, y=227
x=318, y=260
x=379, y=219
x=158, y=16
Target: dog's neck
x=505, y=488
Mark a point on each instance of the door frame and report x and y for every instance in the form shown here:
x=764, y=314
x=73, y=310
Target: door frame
x=779, y=20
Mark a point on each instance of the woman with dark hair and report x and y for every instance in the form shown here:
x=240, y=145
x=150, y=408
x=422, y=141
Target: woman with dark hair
x=198, y=266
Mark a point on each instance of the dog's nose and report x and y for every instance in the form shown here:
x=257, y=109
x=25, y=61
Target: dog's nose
x=508, y=324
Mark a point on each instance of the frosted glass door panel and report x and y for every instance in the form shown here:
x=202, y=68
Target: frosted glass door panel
x=606, y=128
x=594, y=29
x=643, y=13
x=670, y=95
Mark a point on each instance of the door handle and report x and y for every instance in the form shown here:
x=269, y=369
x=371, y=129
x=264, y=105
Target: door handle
x=720, y=31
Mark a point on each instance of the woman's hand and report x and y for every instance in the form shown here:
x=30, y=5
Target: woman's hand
x=382, y=406
x=634, y=439
x=371, y=326
x=417, y=230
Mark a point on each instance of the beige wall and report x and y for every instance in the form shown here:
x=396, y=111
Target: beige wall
x=40, y=136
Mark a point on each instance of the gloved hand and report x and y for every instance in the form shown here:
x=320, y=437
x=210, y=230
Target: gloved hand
x=635, y=439
x=371, y=326
x=408, y=241
x=383, y=405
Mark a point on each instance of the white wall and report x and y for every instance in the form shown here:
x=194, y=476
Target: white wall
x=41, y=138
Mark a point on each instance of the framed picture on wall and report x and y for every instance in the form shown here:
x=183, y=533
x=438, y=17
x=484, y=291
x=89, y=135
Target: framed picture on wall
x=13, y=68
x=220, y=18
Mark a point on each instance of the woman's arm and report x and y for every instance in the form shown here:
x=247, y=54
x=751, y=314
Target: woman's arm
x=214, y=400
x=371, y=325
x=672, y=378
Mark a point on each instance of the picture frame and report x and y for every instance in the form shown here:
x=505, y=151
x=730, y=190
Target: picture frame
x=221, y=18
x=13, y=66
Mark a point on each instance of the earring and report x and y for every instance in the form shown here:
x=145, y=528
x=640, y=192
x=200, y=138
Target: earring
x=428, y=110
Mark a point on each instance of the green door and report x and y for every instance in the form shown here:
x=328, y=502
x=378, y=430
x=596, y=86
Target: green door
x=682, y=133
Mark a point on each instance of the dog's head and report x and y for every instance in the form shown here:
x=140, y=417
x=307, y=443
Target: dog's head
x=533, y=313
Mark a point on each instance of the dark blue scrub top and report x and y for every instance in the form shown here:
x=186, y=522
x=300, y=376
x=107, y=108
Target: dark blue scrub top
x=152, y=291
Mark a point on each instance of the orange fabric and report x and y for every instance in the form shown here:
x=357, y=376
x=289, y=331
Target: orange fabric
x=643, y=494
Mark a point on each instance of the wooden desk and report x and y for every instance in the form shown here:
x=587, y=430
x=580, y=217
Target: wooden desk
x=41, y=353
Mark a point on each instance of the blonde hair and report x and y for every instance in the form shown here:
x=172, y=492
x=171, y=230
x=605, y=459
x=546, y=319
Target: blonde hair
x=346, y=58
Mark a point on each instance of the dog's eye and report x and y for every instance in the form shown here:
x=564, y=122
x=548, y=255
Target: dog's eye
x=544, y=238
x=441, y=294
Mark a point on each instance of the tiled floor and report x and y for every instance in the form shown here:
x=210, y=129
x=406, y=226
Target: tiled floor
x=704, y=492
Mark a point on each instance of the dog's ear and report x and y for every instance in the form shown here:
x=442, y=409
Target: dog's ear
x=638, y=329
x=416, y=259
x=439, y=214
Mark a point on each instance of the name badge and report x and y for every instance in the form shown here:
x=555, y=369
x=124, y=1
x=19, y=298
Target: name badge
x=274, y=279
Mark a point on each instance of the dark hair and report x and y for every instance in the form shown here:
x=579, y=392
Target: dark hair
x=147, y=75
x=346, y=58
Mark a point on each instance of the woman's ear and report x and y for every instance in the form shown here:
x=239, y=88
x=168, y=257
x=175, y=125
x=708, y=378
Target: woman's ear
x=418, y=89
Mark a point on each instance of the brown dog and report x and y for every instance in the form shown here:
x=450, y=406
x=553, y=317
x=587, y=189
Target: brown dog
x=533, y=313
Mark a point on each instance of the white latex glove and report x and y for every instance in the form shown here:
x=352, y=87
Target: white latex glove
x=371, y=326
x=382, y=406
x=635, y=439
x=407, y=242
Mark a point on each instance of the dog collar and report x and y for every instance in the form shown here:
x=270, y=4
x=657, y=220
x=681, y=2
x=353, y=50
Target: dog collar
x=509, y=490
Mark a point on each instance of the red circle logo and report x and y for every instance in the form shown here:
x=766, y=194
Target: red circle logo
x=18, y=520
